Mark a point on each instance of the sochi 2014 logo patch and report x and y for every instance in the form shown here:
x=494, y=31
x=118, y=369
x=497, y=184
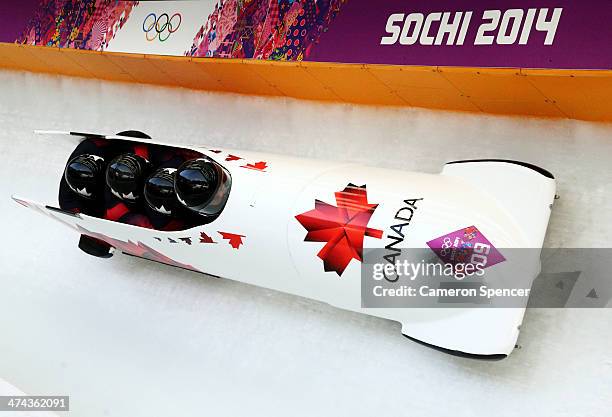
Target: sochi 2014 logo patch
x=342, y=227
x=467, y=245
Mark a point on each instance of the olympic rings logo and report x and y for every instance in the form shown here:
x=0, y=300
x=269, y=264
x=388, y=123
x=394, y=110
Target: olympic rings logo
x=161, y=27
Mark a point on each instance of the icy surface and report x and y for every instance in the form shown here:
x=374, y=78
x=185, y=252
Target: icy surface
x=126, y=337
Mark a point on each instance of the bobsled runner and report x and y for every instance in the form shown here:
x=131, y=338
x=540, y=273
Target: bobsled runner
x=301, y=226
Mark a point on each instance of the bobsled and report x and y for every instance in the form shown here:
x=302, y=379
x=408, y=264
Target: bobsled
x=301, y=226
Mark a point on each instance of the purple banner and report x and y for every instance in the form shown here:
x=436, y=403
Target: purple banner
x=518, y=33
x=565, y=34
x=14, y=16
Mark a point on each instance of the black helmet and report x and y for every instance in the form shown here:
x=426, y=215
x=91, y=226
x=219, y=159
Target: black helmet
x=159, y=191
x=125, y=176
x=84, y=175
x=196, y=183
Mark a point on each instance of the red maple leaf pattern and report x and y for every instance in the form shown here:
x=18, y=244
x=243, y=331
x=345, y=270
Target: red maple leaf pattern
x=231, y=157
x=204, y=238
x=342, y=228
x=234, y=240
x=137, y=249
x=257, y=166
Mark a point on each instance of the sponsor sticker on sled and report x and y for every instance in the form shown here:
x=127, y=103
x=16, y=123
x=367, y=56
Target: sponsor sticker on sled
x=467, y=245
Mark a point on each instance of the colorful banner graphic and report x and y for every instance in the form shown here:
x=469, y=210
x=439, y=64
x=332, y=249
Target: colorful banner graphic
x=518, y=33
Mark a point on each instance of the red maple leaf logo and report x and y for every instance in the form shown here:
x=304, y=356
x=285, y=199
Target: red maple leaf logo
x=342, y=227
x=231, y=157
x=257, y=166
x=204, y=238
x=234, y=240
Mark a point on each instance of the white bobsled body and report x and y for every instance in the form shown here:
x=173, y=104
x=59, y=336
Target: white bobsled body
x=275, y=202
